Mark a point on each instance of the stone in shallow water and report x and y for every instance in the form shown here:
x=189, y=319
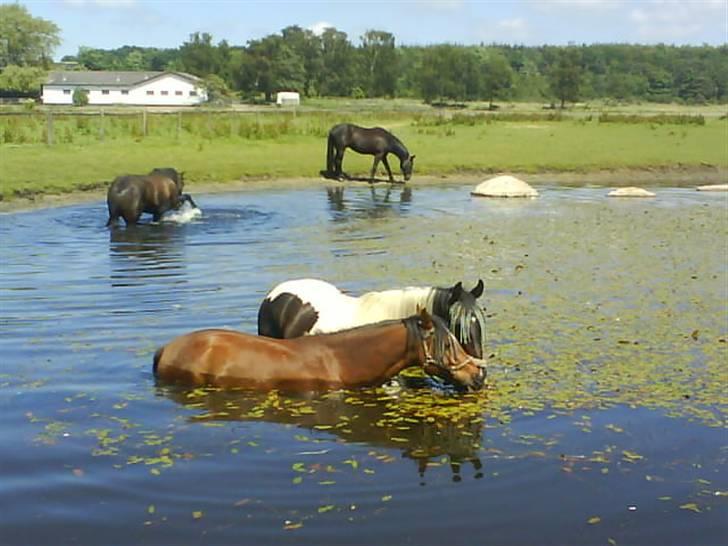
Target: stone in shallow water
x=631, y=191
x=713, y=187
x=504, y=186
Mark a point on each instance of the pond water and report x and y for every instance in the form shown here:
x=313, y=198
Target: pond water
x=603, y=423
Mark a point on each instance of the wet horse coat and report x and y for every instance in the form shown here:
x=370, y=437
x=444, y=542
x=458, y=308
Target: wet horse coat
x=365, y=356
x=131, y=195
x=311, y=306
x=364, y=140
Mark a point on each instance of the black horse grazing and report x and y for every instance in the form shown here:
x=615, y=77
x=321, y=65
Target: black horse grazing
x=156, y=193
x=374, y=141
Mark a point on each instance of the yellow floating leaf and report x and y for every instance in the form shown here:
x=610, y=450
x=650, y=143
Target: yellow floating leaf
x=690, y=506
x=594, y=520
x=197, y=514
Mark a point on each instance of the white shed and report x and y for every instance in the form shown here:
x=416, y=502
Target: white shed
x=288, y=98
x=137, y=88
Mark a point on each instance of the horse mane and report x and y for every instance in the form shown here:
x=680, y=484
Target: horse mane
x=415, y=339
x=458, y=314
x=399, y=149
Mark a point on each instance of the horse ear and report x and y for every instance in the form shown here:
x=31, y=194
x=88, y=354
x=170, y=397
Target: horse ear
x=455, y=292
x=425, y=319
x=478, y=290
x=412, y=158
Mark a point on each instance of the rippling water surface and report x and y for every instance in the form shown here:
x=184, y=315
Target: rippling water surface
x=604, y=422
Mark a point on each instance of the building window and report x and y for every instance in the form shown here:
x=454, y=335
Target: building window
x=66, y=91
x=104, y=91
x=150, y=92
x=124, y=91
x=178, y=93
x=193, y=93
x=165, y=93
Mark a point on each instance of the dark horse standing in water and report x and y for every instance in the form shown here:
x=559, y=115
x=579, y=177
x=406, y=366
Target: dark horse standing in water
x=155, y=193
x=374, y=141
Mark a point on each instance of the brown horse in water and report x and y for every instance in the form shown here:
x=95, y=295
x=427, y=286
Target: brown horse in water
x=131, y=195
x=365, y=140
x=365, y=356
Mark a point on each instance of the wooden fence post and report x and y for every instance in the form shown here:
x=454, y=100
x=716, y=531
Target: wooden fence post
x=102, y=129
x=49, y=128
x=179, y=123
x=144, y=122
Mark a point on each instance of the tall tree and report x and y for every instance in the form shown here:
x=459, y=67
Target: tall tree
x=498, y=76
x=26, y=40
x=337, y=57
x=307, y=46
x=380, y=63
x=565, y=76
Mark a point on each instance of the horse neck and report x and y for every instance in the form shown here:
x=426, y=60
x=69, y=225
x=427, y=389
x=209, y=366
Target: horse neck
x=376, y=353
x=394, y=304
x=398, y=149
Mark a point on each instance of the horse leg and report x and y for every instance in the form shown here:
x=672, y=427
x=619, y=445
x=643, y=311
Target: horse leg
x=386, y=166
x=377, y=159
x=338, y=160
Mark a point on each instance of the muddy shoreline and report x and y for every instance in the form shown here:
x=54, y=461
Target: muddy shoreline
x=651, y=177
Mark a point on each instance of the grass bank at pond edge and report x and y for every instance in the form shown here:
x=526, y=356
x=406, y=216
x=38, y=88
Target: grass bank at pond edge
x=458, y=147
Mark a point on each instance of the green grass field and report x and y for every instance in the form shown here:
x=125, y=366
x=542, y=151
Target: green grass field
x=89, y=150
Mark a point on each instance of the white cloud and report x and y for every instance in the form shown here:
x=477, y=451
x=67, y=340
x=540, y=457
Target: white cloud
x=318, y=28
x=102, y=3
x=517, y=24
x=669, y=21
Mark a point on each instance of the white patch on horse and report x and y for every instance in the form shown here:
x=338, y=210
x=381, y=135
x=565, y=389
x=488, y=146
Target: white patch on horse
x=338, y=311
x=393, y=304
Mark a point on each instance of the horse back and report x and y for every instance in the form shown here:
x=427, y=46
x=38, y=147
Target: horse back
x=160, y=193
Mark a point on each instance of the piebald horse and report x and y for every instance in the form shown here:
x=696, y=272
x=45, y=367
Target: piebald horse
x=365, y=356
x=366, y=140
x=313, y=306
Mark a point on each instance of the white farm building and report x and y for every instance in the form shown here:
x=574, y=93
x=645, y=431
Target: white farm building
x=137, y=88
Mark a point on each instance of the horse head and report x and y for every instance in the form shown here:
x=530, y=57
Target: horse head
x=467, y=318
x=445, y=358
x=407, y=165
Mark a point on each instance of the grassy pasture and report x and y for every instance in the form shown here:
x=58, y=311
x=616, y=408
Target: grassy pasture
x=89, y=149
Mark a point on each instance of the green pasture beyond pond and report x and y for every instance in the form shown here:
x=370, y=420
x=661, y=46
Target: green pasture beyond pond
x=88, y=149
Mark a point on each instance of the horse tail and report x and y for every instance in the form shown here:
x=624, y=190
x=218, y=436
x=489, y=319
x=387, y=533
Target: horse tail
x=157, y=358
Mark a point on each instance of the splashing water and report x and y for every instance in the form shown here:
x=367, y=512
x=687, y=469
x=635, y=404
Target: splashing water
x=186, y=213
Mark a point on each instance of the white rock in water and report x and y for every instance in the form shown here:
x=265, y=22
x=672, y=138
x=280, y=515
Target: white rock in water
x=631, y=191
x=504, y=186
x=713, y=187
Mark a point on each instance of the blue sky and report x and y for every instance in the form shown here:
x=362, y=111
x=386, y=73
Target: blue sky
x=168, y=23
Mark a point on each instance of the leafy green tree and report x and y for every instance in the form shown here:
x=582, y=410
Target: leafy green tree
x=565, y=76
x=199, y=56
x=21, y=80
x=380, y=60
x=307, y=46
x=26, y=40
x=497, y=76
x=80, y=97
x=338, y=64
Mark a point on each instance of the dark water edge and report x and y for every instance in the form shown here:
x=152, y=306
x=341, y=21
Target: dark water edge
x=606, y=400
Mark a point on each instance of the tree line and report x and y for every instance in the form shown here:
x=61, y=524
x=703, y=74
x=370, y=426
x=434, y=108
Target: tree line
x=331, y=64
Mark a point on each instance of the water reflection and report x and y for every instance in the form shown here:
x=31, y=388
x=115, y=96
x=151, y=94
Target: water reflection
x=143, y=252
x=423, y=427
x=368, y=203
